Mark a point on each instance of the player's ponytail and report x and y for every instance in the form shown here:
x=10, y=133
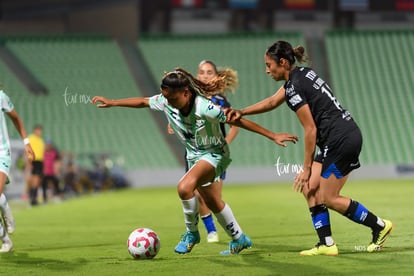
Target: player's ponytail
x=226, y=80
x=229, y=80
x=299, y=52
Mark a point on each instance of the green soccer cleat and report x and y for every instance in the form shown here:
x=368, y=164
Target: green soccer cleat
x=379, y=238
x=187, y=242
x=236, y=246
x=321, y=249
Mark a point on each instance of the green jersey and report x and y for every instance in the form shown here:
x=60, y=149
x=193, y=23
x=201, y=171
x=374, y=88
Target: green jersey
x=199, y=131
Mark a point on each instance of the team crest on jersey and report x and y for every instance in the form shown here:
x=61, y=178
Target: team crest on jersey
x=199, y=123
x=290, y=90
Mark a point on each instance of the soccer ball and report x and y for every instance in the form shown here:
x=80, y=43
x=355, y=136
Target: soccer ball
x=143, y=243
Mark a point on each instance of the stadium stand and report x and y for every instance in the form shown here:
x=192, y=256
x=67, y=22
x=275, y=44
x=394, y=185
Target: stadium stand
x=372, y=73
x=74, y=69
x=362, y=69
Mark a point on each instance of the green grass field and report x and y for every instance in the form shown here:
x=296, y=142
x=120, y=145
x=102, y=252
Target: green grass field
x=87, y=235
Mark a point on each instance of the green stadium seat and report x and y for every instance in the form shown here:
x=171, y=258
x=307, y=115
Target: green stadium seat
x=84, y=67
x=369, y=71
x=372, y=74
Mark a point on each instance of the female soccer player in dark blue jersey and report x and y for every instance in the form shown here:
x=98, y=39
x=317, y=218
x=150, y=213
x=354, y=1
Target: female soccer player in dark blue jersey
x=330, y=127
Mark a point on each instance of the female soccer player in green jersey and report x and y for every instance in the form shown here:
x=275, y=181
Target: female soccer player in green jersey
x=196, y=122
x=206, y=71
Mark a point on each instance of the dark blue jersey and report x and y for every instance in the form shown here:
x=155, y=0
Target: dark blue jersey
x=221, y=101
x=331, y=119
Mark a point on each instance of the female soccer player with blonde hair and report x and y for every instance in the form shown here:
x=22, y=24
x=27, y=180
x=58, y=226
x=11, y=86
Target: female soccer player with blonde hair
x=196, y=122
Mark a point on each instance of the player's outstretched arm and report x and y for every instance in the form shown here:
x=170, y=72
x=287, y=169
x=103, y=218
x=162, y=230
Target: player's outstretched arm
x=278, y=138
x=263, y=106
x=137, y=102
x=17, y=122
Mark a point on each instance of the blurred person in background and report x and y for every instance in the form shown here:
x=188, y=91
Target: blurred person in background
x=70, y=175
x=51, y=164
x=36, y=176
x=7, y=223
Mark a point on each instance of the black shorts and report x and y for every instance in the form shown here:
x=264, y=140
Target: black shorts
x=37, y=168
x=340, y=157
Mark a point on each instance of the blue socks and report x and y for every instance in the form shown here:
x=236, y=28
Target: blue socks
x=322, y=224
x=360, y=214
x=209, y=223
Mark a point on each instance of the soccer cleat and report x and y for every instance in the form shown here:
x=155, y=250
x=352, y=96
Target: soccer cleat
x=6, y=247
x=187, y=242
x=212, y=237
x=9, y=221
x=236, y=246
x=321, y=249
x=379, y=238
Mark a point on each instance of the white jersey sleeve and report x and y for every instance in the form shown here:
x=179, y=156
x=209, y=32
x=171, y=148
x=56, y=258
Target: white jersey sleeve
x=212, y=112
x=158, y=102
x=6, y=104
